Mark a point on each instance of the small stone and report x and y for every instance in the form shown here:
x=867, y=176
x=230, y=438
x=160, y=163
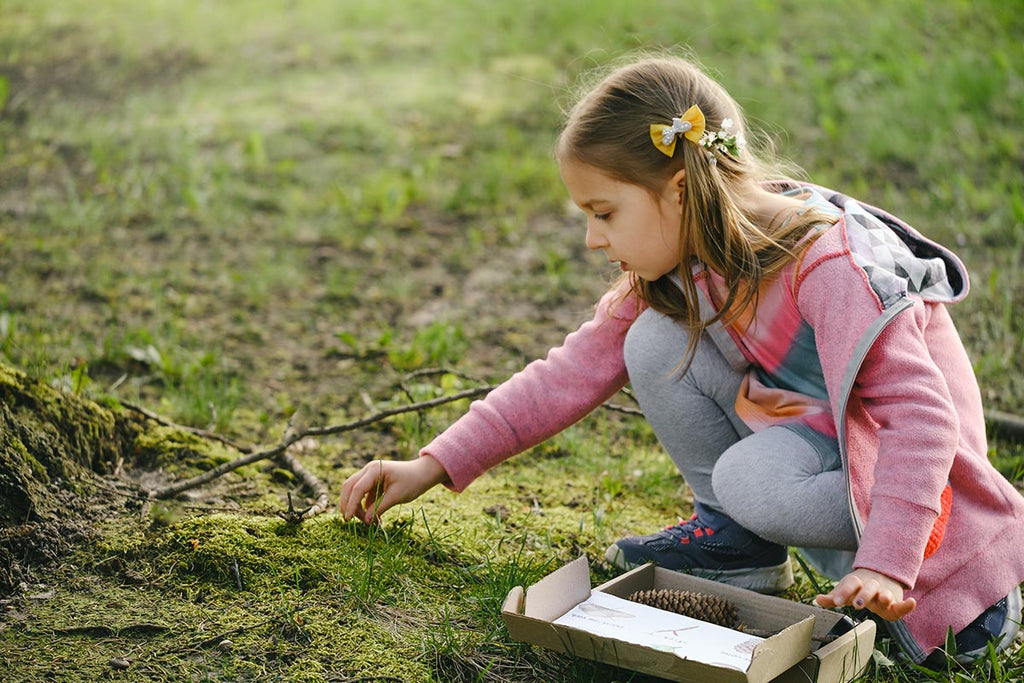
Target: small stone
x=499, y=511
x=225, y=645
x=131, y=576
x=119, y=663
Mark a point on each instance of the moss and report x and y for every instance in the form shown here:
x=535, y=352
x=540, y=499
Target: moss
x=321, y=600
x=167, y=637
x=23, y=478
x=176, y=451
x=49, y=436
x=62, y=427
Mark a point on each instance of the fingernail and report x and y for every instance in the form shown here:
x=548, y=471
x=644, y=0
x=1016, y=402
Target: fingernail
x=859, y=602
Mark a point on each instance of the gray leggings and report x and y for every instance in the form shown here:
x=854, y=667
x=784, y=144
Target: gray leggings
x=783, y=483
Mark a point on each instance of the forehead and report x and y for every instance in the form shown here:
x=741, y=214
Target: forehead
x=588, y=184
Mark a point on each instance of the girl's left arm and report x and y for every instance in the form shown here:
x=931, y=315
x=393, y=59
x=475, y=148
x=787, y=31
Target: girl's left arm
x=902, y=425
x=904, y=394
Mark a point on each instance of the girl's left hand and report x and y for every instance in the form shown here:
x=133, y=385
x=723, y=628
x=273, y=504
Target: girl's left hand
x=863, y=588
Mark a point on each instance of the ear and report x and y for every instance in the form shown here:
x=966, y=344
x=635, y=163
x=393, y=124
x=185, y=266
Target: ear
x=677, y=185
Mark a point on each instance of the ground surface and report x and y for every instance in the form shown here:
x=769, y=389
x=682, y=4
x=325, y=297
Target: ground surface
x=243, y=216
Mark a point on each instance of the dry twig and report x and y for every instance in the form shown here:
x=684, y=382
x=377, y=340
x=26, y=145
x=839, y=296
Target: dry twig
x=292, y=444
x=315, y=485
x=292, y=437
x=1008, y=425
x=622, y=409
x=204, y=433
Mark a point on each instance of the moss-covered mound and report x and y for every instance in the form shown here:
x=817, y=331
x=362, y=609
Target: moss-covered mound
x=51, y=439
x=54, y=445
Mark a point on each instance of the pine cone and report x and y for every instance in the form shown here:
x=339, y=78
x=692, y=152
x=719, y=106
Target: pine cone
x=709, y=608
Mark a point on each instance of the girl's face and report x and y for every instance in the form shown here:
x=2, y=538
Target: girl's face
x=638, y=231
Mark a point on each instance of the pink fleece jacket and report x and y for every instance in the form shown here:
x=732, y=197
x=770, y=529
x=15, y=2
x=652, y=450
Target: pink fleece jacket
x=909, y=419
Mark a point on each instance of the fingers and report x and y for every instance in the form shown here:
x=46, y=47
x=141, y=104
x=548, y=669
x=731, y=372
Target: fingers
x=900, y=609
x=360, y=492
x=348, y=503
x=871, y=591
x=382, y=484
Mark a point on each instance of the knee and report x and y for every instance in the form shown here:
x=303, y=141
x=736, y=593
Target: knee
x=653, y=346
x=729, y=481
x=743, y=490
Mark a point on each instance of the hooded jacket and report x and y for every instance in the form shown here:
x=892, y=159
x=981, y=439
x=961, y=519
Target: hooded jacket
x=930, y=510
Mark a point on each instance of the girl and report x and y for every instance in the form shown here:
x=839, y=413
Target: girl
x=792, y=351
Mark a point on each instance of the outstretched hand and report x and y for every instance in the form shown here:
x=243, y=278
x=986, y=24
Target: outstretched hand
x=382, y=484
x=863, y=588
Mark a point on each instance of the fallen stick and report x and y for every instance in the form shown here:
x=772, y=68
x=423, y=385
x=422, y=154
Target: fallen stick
x=312, y=482
x=1005, y=424
x=280, y=452
x=204, y=433
x=293, y=437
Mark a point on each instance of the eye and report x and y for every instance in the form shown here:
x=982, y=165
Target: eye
x=602, y=216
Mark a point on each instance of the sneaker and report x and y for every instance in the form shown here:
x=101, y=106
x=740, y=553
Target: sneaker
x=713, y=546
x=997, y=625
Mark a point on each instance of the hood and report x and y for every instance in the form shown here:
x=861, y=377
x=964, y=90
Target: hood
x=897, y=259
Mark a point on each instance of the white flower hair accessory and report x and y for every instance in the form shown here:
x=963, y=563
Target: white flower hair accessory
x=724, y=141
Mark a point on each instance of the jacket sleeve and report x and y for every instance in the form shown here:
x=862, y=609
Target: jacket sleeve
x=541, y=400
x=902, y=427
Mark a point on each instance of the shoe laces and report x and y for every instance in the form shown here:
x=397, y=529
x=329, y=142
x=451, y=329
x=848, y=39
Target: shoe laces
x=686, y=529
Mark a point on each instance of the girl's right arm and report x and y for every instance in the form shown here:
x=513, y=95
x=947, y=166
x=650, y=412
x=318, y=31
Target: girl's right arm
x=543, y=399
x=534, y=404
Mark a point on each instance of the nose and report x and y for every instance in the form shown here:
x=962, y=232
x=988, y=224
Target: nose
x=595, y=238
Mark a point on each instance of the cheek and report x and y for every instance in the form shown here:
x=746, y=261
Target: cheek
x=671, y=231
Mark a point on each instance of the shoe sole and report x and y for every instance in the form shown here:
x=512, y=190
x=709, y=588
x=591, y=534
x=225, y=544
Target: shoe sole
x=760, y=579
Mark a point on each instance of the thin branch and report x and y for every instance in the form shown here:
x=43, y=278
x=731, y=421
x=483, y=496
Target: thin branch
x=622, y=409
x=391, y=412
x=293, y=437
x=318, y=488
x=220, y=470
x=204, y=433
x=1006, y=425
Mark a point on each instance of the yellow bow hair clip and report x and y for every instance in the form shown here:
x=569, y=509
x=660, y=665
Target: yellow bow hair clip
x=690, y=125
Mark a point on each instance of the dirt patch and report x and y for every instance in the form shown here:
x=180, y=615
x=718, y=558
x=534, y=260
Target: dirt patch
x=89, y=73
x=28, y=550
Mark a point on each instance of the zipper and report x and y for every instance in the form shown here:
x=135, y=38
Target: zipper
x=897, y=629
x=860, y=352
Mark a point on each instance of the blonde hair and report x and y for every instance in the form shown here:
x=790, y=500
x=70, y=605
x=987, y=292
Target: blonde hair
x=609, y=129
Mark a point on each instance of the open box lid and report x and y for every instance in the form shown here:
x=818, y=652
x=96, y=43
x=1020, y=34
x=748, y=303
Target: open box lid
x=529, y=615
x=841, y=660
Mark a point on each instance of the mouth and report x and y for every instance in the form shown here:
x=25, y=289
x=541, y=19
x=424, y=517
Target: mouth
x=623, y=266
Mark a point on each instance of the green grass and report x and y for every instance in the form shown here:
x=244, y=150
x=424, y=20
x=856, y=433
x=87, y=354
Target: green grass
x=233, y=213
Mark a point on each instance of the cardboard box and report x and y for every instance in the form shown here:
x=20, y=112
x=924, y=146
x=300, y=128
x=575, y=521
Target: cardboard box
x=790, y=656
